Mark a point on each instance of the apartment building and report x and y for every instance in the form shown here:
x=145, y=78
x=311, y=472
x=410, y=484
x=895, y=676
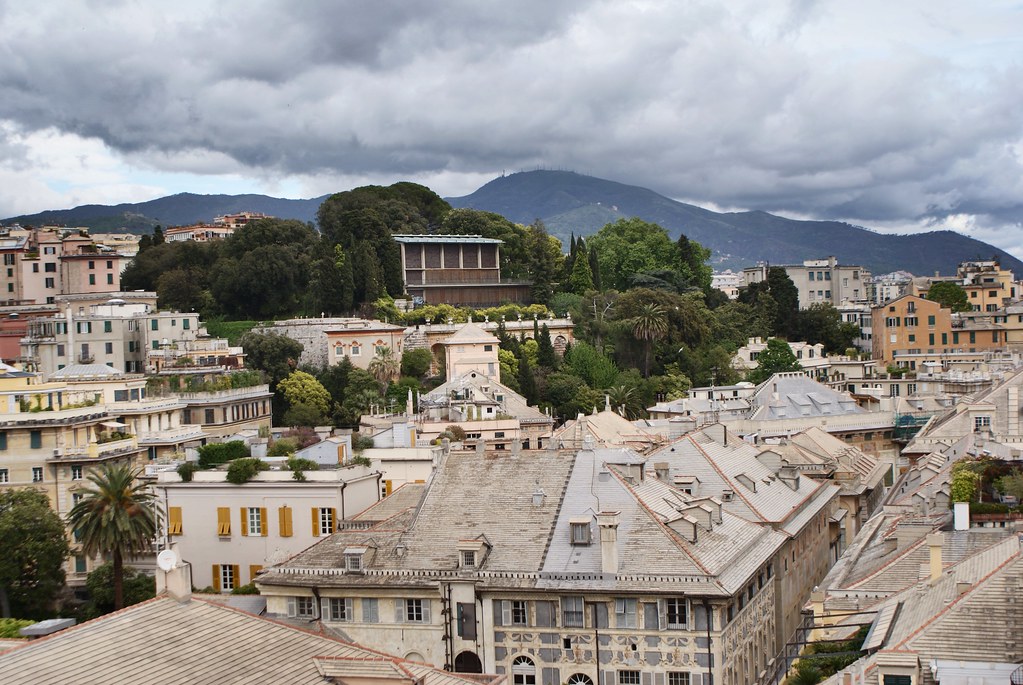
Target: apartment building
x=589, y=567
x=819, y=281
x=132, y=337
x=229, y=533
x=910, y=331
x=53, y=434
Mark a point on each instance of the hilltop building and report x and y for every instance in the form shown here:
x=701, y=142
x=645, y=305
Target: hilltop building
x=819, y=281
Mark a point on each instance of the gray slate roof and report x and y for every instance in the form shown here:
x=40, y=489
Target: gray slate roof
x=164, y=642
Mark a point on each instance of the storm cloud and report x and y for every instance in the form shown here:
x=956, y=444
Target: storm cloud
x=899, y=116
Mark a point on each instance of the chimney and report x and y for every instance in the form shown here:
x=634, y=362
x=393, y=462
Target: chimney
x=934, y=543
x=961, y=515
x=174, y=576
x=608, y=522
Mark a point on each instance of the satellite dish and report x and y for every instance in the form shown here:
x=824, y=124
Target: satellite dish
x=167, y=559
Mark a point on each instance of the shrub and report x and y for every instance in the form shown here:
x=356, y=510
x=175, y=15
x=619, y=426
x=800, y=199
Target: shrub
x=361, y=461
x=186, y=470
x=282, y=447
x=9, y=627
x=297, y=465
x=242, y=470
x=221, y=453
x=457, y=432
x=249, y=589
x=361, y=442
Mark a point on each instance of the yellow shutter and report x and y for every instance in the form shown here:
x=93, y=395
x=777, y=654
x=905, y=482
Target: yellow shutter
x=236, y=574
x=316, y=522
x=262, y=521
x=333, y=519
x=253, y=570
x=216, y=577
x=223, y=521
x=174, y=521
x=244, y=519
x=387, y=487
x=284, y=518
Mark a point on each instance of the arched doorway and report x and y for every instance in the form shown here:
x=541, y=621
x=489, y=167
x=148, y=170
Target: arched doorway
x=468, y=662
x=579, y=679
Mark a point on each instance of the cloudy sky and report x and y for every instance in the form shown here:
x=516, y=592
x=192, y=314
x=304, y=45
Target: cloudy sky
x=896, y=115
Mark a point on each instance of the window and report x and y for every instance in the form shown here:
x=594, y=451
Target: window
x=468, y=558
x=981, y=422
x=412, y=610
x=356, y=350
x=48, y=282
x=930, y=320
x=4, y=476
x=223, y=521
x=912, y=320
x=76, y=472
x=3, y=440
x=108, y=348
x=811, y=275
x=224, y=577
x=676, y=613
x=92, y=279
x=253, y=521
x=897, y=680
x=174, y=520
x=353, y=562
x=580, y=532
x=154, y=324
x=110, y=279
x=49, y=250
x=284, y=521
x=92, y=264
x=678, y=678
x=35, y=439
x=209, y=416
x=338, y=609
x=120, y=395
x=302, y=607
x=572, y=612
x=827, y=275
x=514, y=612
x=579, y=679
x=81, y=565
x=488, y=348
x=50, y=268
x=186, y=324
x=37, y=474
x=370, y=610
x=625, y=613
x=323, y=521
x=524, y=671
x=628, y=677
x=9, y=259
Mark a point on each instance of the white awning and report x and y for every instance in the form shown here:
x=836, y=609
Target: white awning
x=114, y=424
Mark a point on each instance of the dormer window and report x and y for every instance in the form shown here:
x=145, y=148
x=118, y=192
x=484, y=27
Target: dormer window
x=726, y=495
x=472, y=553
x=354, y=562
x=468, y=558
x=580, y=531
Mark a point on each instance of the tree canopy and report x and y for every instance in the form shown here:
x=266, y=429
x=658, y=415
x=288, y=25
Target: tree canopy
x=949, y=295
x=777, y=357
x=35, y=548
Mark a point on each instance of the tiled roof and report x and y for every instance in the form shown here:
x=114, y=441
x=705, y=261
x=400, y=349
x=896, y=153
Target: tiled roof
x=470, y=333
x=163, y=641
x=794, y=395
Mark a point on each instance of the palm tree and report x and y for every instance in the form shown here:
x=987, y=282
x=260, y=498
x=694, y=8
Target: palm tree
x=384, y=367
x=649, y=325
x=115, y=516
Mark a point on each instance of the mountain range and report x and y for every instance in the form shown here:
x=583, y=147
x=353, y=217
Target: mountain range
x=569, y=203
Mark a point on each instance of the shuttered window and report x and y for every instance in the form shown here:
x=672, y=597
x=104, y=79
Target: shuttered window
x=284, y=521
x=174, y=521
x=223, y=521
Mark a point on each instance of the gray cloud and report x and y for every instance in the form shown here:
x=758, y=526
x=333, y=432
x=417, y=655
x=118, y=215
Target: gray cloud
x=895, y=115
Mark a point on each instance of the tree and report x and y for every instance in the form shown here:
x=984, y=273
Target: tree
x=545, y=261
x=581, y=278
x=822, y=323
x=138, y=587
x=275, y=354
x=384, y=367
x=546, y=358
x=35, y=547
x=416, y=363
x=302, y=388
x=527, y=382
x=964, y=485
x=631, y=246
x=786, y=296
x=692, y=263
x=949, y=295
x=649, y=325
x=1011, y=484
x=592, y=366
x=115, y=516
x=777, y=357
